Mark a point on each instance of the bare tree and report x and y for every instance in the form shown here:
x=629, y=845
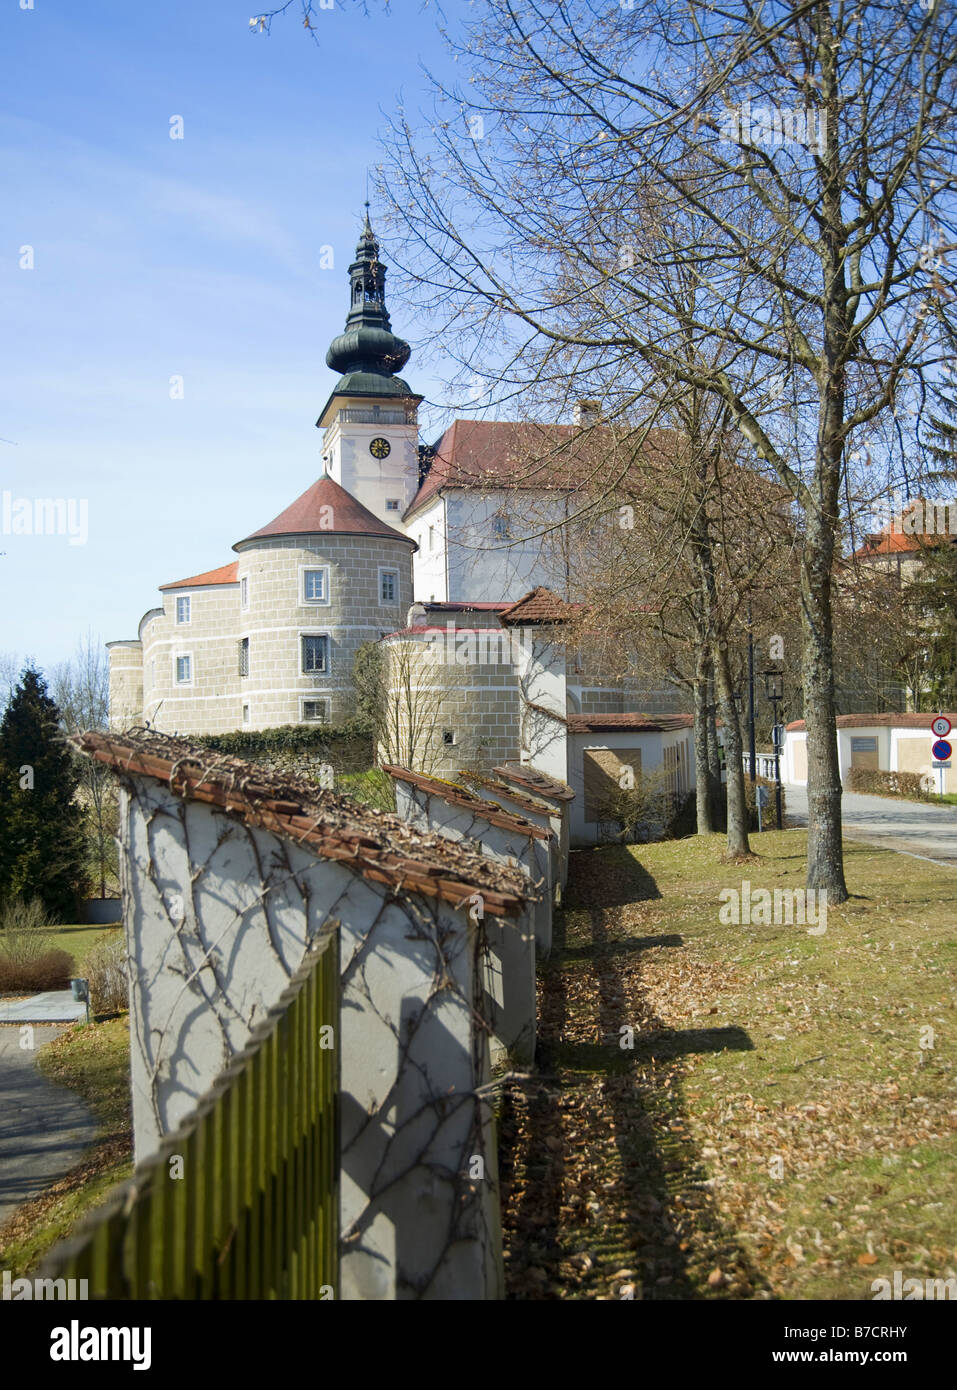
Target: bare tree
x=81, y=689
x=10, y=667
x=420, y=693
x=814, y=144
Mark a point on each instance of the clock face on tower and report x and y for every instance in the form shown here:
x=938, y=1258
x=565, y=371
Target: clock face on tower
x=380, y=448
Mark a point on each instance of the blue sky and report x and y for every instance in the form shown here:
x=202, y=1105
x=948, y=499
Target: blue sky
x=155, y=258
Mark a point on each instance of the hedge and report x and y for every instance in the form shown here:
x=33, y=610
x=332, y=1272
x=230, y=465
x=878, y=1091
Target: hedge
x=288, y=738
x=303, y=751
x=870, y=780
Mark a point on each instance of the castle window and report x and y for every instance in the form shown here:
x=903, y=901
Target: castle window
x=245, y=714
x=448, y=737
x=315, y=711
x=315, y=655
x=182, y=610
x=388, y=586
x=315, y=585
x=184, y=670
x=431, y=537
x=244, y=592
x=392, y=504
x=244, y=657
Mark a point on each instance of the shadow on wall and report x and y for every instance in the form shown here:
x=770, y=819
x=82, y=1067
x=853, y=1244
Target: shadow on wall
x=398, y=1156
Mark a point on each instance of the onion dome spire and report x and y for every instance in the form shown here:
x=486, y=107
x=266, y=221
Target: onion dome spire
x=368, y=345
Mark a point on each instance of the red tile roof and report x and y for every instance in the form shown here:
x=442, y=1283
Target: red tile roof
x=226, y=574
x=465, y=606
x=894, y=540
x=636, y=723
x=881, y=721
x=499, y=788
x=887, y=543
x=326, y=508
x=375, y=844
x=539, y=605
x=460, y=796
x=530, y=778
x=496, y=454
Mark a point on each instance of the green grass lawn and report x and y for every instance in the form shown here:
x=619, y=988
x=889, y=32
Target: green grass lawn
x=80, y=940
x=777, y=1130
x=94, y=1060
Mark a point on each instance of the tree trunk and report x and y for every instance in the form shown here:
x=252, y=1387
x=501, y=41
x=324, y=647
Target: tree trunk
x=738, y=843
x=825, y=854
x=714, y=755
x=825, y=849
x=702, y=765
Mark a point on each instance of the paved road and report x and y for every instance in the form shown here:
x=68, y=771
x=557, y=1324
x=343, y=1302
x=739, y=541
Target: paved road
x=44, y=1129
x=927, y=831
x=54, y=1006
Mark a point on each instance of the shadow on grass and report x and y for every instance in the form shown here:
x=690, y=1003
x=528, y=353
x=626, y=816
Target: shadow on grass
x=624, y=880
x=657, y=1214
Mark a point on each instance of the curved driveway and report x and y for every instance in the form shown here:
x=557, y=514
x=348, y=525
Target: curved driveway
x=913, y=827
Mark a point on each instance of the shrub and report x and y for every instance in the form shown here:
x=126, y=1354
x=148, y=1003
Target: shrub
x=871, y=781
x=29, y=956
x=769, y=812
x=26, y=915
x=107, y=972
x=639, y=811
x=50, y=969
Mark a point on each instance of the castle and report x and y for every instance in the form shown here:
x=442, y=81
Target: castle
x=398, y=543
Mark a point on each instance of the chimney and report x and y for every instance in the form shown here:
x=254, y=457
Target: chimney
x=586, y=413
x=426, y=459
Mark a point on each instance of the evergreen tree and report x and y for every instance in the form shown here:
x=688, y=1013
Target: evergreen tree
x=935, y=596
x=42, y=851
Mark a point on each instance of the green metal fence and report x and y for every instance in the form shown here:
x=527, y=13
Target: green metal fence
x=254, y=1213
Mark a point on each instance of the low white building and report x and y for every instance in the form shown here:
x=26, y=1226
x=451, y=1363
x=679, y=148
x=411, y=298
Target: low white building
x=600, y=746
x=883, y=742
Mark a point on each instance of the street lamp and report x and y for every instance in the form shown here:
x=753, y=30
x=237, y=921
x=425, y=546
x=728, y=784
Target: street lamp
x=752, y=756
x=774, y=689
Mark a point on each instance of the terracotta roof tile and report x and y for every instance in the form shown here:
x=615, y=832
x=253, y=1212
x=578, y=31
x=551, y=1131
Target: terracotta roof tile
x=895, y=540
x=497, y=454
x=526, y=800
x=458, y=795
x=881, y=721
x=326, y=507
x=530, y=778
x=636, y=723
x=226, y=574
x=539, y=605
x=465, y=606
x=379, y=846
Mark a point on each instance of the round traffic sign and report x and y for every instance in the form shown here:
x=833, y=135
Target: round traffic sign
x=941, y=750
x=941, y=726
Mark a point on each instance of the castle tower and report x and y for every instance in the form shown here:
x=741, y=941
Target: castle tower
x=318, y=581
x=370, y=445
